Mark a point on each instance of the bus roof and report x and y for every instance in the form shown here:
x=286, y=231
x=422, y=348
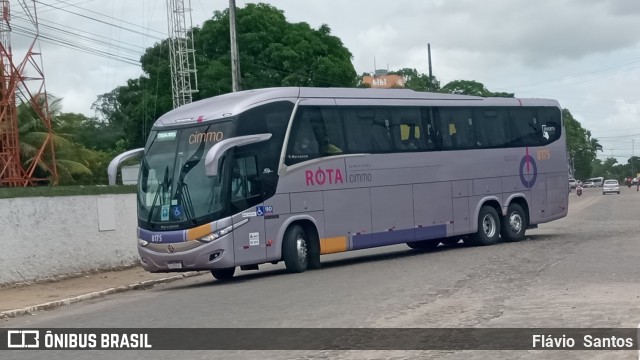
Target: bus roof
x=230, y=104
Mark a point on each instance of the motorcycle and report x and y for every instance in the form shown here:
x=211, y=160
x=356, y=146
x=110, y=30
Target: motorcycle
x=579, y=190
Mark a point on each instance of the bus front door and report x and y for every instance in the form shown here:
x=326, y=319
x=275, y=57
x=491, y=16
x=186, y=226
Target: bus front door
x=246, y=197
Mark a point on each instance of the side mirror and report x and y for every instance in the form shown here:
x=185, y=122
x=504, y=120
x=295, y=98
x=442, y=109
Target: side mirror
x=112, y=170
x=215, y=153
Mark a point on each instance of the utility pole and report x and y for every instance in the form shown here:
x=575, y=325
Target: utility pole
x=632, y=155
x=235, y=61
x=430, y=73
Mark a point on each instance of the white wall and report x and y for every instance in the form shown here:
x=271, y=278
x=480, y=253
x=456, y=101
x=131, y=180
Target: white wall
x=49, y=237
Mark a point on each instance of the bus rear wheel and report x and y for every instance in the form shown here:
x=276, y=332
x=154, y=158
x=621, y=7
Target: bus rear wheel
x=488, y=227
x=223, y=274
x=514, y=224
x=295, y=249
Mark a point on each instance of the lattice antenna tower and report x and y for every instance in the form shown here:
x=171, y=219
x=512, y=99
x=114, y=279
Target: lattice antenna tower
x=184, y=79
x=23, y=82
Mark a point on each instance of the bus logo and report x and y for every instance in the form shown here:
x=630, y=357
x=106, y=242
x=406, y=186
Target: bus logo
x=528, y=171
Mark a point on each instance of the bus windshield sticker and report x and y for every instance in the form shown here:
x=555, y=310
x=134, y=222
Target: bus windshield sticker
x=164, y=215
x=548, y=131
x=166, y=135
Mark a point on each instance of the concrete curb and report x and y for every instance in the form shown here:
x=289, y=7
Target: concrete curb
x=96, y=294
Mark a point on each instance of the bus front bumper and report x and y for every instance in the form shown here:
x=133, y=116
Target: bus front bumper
x=187, y=256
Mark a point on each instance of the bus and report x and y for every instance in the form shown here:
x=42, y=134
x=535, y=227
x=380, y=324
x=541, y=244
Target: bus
x=290, y=174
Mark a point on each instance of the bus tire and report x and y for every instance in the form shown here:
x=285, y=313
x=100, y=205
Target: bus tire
x=514, y=224
x=295, y=249
x=223, y=274
x=488, y=227
x=424, y=244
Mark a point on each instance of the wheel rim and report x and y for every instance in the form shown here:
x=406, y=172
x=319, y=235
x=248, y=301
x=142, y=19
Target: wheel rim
x=515, y=222
x=301, y=247
x=489, y=225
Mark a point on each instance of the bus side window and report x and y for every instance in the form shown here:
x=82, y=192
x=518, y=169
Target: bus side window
x=408, y=132
x=525, y=129
x=490, y=127
x=456, y=126
x=357, y=129
x=380, y=131
x=433, y=137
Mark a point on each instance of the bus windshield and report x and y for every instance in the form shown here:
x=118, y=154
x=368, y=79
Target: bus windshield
x=173, y=190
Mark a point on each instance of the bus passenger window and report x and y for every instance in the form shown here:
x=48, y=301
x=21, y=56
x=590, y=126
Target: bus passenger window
x=316, y=132
x=408, y=129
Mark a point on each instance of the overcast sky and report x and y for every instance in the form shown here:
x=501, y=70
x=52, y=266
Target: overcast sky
x=584, y=53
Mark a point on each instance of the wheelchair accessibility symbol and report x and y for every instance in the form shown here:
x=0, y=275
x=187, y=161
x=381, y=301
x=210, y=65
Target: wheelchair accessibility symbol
x=262, y=210
x=528, y=171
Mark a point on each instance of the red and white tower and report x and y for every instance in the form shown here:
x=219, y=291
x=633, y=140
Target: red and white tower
x=23, y=82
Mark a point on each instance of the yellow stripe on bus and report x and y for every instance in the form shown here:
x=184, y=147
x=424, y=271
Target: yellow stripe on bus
x=333, y=245
x=198, y=232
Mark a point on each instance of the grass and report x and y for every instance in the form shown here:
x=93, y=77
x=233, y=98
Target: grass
x=16, y=192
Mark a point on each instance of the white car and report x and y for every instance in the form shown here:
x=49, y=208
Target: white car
x=610, y=186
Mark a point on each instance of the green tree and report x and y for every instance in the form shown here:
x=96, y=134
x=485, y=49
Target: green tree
x=471, y=87
x=273, y=53
x=417, y=81
x=71, y=158
x=582, y=148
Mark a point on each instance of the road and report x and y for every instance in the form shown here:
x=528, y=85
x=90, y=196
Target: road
x=581, y=271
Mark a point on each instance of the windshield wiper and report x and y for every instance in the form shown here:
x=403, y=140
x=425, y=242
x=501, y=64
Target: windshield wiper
x=155, y=198
x=183, y=189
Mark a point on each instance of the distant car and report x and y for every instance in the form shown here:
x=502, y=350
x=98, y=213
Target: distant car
x=610, y=186
x=589, y=184
x=572, y=183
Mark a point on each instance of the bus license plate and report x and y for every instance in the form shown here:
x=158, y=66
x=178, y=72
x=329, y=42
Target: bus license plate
x=175, y=265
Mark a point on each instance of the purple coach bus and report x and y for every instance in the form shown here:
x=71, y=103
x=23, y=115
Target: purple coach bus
x=289, y=174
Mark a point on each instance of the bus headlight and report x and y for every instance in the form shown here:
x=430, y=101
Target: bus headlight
x=142, y=242
x=216, y=234
x=222, y=232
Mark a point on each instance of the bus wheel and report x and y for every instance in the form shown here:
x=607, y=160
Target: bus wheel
x=488, y=227
x=514, y=224
x=424, y=244
x=295, y=249
x=223, y=274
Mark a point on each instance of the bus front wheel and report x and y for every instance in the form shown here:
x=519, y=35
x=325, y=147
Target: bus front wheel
x=223, y=274
x=295, y=249
x=514, y=224
x=488, y=227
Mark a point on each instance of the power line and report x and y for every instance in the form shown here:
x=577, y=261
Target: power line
x=101, y=21
x=109, y=17
x=69, y=44
x=78, y=34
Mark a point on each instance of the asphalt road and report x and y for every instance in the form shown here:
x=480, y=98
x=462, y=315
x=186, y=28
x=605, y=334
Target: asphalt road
x=581, y=271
